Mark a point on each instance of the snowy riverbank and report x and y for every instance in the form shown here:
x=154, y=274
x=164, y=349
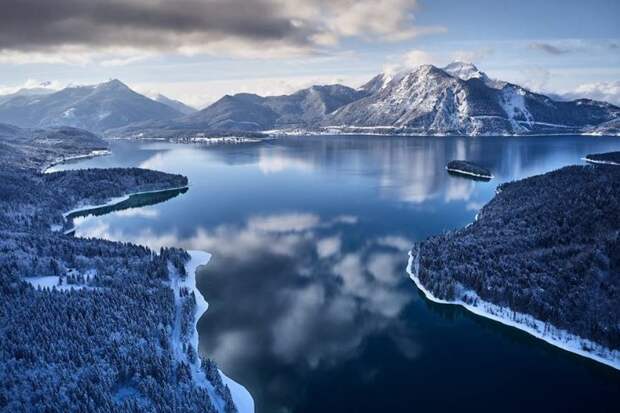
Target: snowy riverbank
x=539, y=329
x=241, y=397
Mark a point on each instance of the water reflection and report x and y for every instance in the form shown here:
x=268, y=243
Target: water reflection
x=304, y=298
x=310, y=307
x=290, y=290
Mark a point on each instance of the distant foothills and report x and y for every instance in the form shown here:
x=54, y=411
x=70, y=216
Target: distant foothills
x=458, y=99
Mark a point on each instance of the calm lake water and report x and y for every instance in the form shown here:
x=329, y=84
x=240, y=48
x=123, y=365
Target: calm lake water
x=310, y=305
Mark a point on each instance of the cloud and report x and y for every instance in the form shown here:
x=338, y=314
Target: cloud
x=472, y=56
x=312, y=308
x=275, y=161
x=396, y=242
x=534, y=77
x=329, y=246
x=605, y=91
x=418, y=57
x=383, y=267
x=31, y=84
x=293, y=222
x=71, y=31
x=549, y=48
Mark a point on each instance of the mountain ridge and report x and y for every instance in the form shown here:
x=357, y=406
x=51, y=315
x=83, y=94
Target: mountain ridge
x=458, y=99
x=93, y=107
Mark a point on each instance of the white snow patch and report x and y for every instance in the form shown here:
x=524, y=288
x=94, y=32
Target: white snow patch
x=525, y=322
x=241, y=397
x=69, y=113
x=513, y=102
x=51, y=281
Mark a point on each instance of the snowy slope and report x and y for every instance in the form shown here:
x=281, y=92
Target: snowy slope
x=460, y=99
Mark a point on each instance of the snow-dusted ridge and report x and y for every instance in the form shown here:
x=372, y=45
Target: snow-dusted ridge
x=525, y=322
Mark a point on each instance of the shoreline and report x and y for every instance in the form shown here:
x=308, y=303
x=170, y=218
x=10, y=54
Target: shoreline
x=91, y=154
x=277, y=133
x=117, y=200
x=526, y=323
x=460, y=171
x=241, y=396
x=596, y=161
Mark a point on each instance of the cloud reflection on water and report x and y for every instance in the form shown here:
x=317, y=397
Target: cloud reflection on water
x=307, y=282
x=287, y=288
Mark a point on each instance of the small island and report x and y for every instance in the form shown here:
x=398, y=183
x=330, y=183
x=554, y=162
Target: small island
x=468, y=169
x=543, y=256
x=608, y=158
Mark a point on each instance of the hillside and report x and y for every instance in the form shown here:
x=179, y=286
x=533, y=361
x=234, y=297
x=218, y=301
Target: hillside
x=546, y=248
x=95, y=108
x=100, y=336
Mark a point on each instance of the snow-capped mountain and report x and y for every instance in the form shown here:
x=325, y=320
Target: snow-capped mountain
x=96, y=108
x=459, y=99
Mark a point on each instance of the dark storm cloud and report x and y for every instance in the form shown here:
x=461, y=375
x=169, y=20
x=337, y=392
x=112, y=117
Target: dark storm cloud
x=42, y=24
x=549, y=48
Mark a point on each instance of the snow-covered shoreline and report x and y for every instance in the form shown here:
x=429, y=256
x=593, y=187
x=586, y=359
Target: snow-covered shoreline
x=460, y=171
x=119, y=199
x=525, y=322
x=241, y=397
x=372, y=131
x=600, y=162
x=91, y=154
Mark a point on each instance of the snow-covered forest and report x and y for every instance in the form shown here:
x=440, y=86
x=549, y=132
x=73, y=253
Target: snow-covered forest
x=106, y=347
x=611, y=158
x=547, y=246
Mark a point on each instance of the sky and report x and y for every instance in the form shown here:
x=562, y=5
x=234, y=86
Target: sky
x=198, y=50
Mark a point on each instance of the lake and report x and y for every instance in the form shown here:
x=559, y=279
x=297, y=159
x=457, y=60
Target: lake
x=310, y=306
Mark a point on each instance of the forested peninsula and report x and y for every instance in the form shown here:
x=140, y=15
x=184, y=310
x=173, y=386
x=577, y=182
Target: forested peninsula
x=111, y=334
x=543, y=256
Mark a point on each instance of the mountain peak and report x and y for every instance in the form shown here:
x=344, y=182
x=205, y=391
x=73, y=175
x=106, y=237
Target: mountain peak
x=112, y=84
x=464, y=71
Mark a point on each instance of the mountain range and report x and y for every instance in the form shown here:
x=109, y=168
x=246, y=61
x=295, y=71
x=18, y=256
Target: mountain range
x=96, y=108
x=457, y=99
